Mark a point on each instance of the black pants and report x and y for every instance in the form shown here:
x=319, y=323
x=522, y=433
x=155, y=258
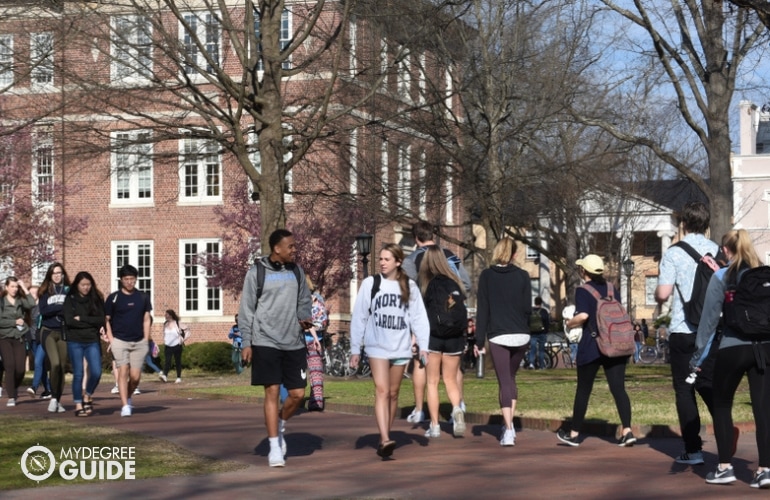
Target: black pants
x=176, y=352
x=14, y=355
x=681, y=347
x=615, y=373
x=731, y=365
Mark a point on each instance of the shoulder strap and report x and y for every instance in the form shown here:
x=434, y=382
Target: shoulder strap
x=375, y=288
x=593, y=291
x=261, y=279
x=689, y=249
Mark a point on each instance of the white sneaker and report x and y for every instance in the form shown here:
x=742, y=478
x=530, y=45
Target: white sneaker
x=137, y=391
x=433, y=431
x=458, y=422
x=462, y=406
x=416, y=417
x=163, y=377
x=1, y=392
x=53, y=405
x=60, y=408
x=178, y=381
x=11, y=402
x=31, y=391
x=115, y=390
x=508, y=438
x=275, y=457
x=125, y=411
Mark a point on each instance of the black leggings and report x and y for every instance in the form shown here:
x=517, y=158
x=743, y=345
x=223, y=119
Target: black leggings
x=175, y=351
x=615, y=372
x=731, y=365
x=14, y=356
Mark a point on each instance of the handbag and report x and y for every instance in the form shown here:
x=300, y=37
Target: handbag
x=573, y=334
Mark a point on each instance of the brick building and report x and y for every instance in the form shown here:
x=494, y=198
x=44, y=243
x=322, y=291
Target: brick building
x=112, y=99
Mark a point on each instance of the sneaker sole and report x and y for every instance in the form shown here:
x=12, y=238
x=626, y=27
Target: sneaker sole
x=282, y=463
x=721, y=480
x=689, y=462
x=627, y=444
x=570, y=443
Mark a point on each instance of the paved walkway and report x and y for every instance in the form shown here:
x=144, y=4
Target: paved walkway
x=332, y=455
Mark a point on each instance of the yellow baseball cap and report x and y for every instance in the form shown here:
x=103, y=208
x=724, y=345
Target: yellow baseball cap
x=591, y=263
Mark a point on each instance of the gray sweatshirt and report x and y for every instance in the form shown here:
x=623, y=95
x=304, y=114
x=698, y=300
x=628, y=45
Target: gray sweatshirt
x=274, y=321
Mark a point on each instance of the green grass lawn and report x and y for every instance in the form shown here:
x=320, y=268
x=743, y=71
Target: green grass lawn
x=542, y=394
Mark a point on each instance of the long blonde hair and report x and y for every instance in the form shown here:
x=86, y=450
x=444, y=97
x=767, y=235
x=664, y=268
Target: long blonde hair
x=740, y=245
x=504, y=251
x=401, y=277
x=433, y=264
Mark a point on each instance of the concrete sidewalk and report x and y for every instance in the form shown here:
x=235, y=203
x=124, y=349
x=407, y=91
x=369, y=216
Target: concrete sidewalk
x=332, y=455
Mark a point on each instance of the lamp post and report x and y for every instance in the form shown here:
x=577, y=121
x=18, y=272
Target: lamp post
x=628, y=270
x=364, y=247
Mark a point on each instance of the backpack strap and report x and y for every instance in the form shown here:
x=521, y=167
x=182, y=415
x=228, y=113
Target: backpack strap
x=689, y=249
x=375, y=288
x=261, y=279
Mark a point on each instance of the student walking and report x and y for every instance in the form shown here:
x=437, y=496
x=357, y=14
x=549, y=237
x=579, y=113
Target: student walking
x=590, y=359
x=442, y=293
x=174, y=336
x=84, y=316
x=388, y=310
x=16, y=303
x=502, y=316
x=737, y=356
x=53, y=290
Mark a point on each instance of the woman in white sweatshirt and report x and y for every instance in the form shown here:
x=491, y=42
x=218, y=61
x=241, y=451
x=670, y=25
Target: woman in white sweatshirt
x=388, y=309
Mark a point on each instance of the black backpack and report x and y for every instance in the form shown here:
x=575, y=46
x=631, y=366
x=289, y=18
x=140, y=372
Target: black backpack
x=445, y=304
x=747, y=304
x=706, y=265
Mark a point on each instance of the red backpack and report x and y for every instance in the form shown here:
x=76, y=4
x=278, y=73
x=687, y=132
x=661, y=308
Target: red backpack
x=615, y=332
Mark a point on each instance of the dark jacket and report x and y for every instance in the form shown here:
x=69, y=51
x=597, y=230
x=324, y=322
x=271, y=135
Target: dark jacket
x=504, y=302
x=86, y=329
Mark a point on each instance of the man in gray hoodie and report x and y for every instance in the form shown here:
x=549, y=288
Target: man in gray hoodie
x=275, y=311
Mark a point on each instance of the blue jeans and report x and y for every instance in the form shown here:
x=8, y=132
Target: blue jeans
x=152, y=365
x=92, y=353
x=537, y=348
x=41, y=374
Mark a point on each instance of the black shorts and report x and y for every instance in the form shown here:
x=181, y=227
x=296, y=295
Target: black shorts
x=270, y=366
x=454, y=345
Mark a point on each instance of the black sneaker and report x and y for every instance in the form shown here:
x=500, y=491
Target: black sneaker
x=627, y=440
x=566, y=438
x=721, y=476
x=46, y=395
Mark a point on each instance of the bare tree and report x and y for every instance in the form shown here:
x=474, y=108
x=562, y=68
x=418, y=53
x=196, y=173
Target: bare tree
x=698, y=49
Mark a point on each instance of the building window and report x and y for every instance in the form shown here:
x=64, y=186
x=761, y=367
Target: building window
x=8, y=177
x=6, y=60
x=41, y=59
x=423, y=188
x=198, y=296
x=354, y=161
x=650, y=284
x=131, y=49
x=384, y=168
x=131, y=167
x=422, y=83
x=139, y=255
x=404, y=178
x=202, y=32
x=532, y=253
x=404, y=75
x=256, y=160
x=201, y=170
x=450, y=193
x=42, y=174
x=352, y=41
x=284, y=38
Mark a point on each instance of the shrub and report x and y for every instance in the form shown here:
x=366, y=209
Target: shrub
x=208, y=356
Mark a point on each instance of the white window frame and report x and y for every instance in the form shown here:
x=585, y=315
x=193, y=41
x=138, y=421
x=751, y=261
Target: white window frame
x=133, y=159
x=138, y=253
x=448, y=92
x=6, y=61
x=42, y=60
x=43, y=170
x=404, y=177
x=8, y=179
x=354, y=161
x=200, y=22
x=195, y=275
x=131, y=50
x=404, y=75
x=384, y=169
x=650, y=284
x=449, y=213
x=200, y=154
x=352, y=41
x=422, y=79
x=284, y=38
x=256, y=160
x=423, y=188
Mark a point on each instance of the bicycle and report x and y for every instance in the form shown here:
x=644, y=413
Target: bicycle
x=649, y=353
x=559, y=353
